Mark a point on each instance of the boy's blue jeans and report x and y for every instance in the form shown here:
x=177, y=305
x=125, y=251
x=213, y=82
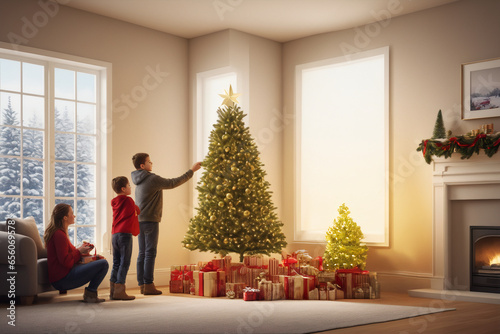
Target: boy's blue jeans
x=80, y=274
x=148, y=242
x=122, y=252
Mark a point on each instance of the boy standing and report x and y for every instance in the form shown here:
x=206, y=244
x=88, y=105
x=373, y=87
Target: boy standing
x=149, y=197
x=125, y=224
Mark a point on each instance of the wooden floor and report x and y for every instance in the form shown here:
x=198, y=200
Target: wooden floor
x=474, y=318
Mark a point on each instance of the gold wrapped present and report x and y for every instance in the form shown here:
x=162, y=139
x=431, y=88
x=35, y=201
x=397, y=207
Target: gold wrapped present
x=278, y=291
x=266, y=290
x=237, y=288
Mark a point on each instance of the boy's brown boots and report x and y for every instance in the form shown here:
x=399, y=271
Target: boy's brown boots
x=150, y=289
x=120, y=294
x=111, y=289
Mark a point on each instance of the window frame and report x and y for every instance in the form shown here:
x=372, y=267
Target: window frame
x=302, y=235
x=52, y=60
x=199, y=119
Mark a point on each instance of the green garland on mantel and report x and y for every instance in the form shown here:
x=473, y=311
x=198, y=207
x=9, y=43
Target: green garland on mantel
x=466, y=146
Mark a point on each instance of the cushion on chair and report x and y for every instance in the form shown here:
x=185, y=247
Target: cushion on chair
x=27, y=227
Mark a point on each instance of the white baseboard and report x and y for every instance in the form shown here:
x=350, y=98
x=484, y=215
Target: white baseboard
x=161, y=277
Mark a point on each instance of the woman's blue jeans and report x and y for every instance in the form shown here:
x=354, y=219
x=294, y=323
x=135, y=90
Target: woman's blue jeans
x=148, y=242
x=122, y=252
x=93, y=272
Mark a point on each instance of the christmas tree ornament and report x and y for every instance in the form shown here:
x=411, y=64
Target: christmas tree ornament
x=439, y=130
x=230, y=99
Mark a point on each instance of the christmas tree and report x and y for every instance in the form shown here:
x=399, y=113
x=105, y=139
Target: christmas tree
x=439, y=130
x=344, y=249
x=235, y=212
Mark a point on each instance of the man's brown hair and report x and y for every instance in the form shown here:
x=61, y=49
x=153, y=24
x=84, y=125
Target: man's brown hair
x=138, y=159
x=118, y=183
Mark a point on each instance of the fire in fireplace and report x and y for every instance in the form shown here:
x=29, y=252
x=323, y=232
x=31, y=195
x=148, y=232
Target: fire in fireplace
x=485, y=258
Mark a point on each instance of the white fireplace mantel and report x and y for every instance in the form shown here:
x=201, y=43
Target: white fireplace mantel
x=477, y=178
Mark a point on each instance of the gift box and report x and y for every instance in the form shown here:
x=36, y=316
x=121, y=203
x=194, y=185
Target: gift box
x=254, y=276
x=278, y=291
x=317, y=263
x=250, y=294
x=237, y=273
x=188, y=279
x=266, y=290
x=327, y=276
x=176, y=286
x=256, y=261
x=313, y=294
x=328, y=291
x=374, y=286
x=350, y=280
x=288, y=286
x=221, y=283
x=176, y=273
x=210, y=284
x=290, y=265
x=298, y=287
x=237, y=288
x=273, y=267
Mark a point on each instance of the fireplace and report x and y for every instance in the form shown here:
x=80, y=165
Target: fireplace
x=485, y=258
x=465, y=192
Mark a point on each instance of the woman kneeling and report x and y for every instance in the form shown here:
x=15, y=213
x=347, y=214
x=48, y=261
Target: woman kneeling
x=63, y=258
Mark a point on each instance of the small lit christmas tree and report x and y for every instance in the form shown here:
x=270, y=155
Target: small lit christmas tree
x=439, y=130
x=235, y=213
x=344, y=249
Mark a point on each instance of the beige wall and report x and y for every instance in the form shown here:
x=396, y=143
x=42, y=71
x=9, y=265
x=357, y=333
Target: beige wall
x=426, y=52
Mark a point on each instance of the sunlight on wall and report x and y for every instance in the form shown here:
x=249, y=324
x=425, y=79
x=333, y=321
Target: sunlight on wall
x=342, y=144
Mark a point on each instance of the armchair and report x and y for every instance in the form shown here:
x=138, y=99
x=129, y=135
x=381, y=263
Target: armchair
x=30, y=274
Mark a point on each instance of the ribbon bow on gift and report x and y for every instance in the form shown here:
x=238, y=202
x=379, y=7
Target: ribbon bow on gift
x=176, y=275
x=210, y=266
x=320, y=260
x=289, y=261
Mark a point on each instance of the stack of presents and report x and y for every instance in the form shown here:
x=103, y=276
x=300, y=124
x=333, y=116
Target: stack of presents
x=298, y=276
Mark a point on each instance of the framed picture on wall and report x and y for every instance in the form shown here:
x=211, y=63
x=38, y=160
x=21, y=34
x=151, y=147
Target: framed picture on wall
x=481, y=89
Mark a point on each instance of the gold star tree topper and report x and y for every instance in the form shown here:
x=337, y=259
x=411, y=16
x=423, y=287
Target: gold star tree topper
x=229, y=98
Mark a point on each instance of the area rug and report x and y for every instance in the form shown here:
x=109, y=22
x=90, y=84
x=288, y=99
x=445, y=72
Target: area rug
x=172, y=314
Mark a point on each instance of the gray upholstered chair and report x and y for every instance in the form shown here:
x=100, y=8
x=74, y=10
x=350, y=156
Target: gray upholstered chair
x=30, y=271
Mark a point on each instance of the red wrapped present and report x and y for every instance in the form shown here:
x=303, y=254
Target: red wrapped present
x=290, y=263
x=176, y=286
x=237, y=274
x=250, y=294
x=350, y=280
x=288, y=286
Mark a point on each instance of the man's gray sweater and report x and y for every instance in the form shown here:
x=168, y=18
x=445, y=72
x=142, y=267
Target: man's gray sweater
x=149, y=192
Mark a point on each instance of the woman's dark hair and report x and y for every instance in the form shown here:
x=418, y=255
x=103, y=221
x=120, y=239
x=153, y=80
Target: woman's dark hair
x=60, y=211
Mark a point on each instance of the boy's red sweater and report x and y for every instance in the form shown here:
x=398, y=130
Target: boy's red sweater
x=125, y=214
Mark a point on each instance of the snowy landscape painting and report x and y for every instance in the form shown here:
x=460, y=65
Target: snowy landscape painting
x=481, y=89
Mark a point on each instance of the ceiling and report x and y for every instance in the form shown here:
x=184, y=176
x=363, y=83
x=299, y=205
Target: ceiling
x=278, y=20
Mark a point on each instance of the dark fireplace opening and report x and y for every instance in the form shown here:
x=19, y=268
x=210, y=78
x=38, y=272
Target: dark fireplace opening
x=485, y=258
